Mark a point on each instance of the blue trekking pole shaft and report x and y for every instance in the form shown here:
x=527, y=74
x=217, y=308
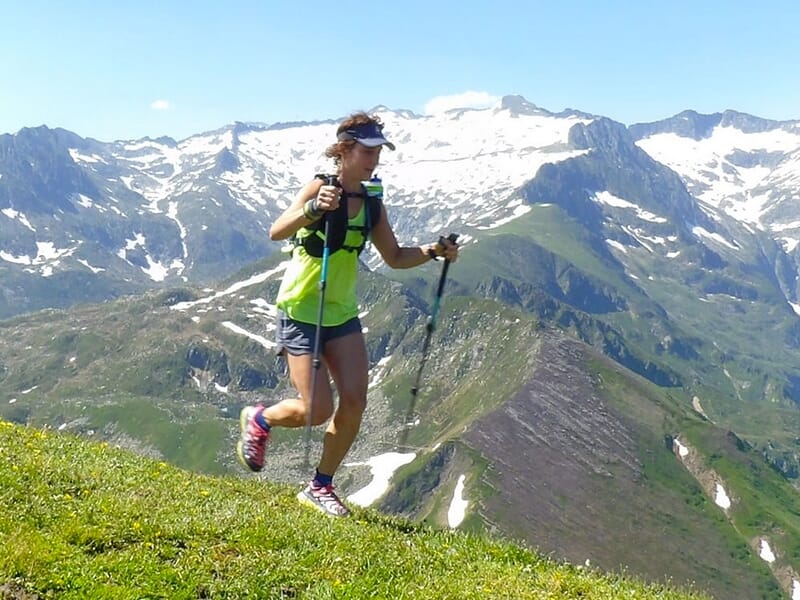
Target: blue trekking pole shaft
x=316, y=361
x=430, y=327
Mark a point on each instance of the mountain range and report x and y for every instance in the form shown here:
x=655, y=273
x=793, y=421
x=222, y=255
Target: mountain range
x=614, y=377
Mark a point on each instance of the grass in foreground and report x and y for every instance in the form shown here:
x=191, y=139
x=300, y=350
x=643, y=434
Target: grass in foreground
x=85, y=520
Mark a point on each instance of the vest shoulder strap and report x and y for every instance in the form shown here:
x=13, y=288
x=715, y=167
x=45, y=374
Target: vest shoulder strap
x=314, y=241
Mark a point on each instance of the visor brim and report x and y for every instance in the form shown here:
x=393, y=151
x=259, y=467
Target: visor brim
x=374, y=142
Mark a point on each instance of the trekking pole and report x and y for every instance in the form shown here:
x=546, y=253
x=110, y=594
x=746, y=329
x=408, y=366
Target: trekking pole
x=316, y=361
x=430, y=327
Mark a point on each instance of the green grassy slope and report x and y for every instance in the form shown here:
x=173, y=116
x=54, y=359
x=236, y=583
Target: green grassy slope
x=82, y=519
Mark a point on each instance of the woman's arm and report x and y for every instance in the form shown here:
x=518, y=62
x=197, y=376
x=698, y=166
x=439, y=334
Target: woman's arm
x=309, y=204
x=405, y=257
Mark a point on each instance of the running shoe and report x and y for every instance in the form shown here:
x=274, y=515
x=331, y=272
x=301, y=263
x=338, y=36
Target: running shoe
x=254, y=439
x=324, y=499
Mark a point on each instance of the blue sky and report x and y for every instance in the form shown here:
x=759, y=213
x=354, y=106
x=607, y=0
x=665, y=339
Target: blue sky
x=124, y=70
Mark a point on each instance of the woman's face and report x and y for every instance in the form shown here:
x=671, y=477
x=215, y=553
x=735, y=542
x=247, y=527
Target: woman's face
x=361, y=161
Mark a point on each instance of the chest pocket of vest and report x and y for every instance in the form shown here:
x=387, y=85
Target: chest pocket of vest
x=314, y=239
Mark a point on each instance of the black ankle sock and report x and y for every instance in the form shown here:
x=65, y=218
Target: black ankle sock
x=322, y=480
x=259, y=418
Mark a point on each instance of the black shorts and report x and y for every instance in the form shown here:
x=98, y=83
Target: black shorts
x=297, y=338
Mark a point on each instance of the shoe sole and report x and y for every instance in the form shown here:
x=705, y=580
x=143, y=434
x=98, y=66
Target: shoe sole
x=239, y=450
x=309, y=502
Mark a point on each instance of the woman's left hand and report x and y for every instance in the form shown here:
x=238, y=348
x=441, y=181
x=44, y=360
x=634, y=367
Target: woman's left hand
x=447, y=249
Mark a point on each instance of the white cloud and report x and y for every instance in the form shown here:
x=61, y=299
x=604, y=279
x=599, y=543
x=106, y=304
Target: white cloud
x=441, y=104
x=161, y=105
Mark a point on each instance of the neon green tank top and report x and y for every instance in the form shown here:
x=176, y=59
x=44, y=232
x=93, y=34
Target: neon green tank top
x=298, y=295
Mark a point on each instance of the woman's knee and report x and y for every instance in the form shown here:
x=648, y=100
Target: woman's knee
x=352, y=405
x=320, y=414
x=320, y=408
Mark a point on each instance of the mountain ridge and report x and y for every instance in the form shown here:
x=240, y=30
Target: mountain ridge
x=227, y=159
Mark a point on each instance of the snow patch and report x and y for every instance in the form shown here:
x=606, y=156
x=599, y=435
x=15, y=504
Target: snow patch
x=699, y=407
x=458, y=505
x=155, y=270
x=86, y=201
x=683, y=451
x=721, y=498
x=16, y=215
x=383, y=467
x=610, y=199
x=268, y=344
x=517, y=212
x=20, y=260
x=86, y=264
x=86, y=158
x=765, y=552
x=45, y=252
x=239, y=285
x=617, y=245
x=702, y=232
x=378, y=371
x=789, y=244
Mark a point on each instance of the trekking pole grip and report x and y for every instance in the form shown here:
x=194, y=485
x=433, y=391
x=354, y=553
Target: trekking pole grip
x=452, y=238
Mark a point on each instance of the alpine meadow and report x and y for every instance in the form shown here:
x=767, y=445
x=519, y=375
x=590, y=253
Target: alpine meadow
x=609, y=405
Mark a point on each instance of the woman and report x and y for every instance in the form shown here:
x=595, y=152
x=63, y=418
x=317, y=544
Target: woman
x=355, y=154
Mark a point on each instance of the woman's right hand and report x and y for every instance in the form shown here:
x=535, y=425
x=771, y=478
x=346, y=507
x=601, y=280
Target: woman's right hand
x=328, y=197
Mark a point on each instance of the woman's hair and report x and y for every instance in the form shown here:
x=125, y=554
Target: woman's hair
x=338, y=149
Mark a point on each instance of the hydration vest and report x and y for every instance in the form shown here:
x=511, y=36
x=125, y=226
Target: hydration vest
x=312, y=236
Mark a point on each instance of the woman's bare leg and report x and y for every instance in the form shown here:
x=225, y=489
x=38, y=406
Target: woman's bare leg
x=293, y=412
x=347, y=361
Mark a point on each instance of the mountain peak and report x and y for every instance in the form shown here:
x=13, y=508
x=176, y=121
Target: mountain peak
x=699, y=126
x=517, y=105
x=747, y=123
x=687, y=123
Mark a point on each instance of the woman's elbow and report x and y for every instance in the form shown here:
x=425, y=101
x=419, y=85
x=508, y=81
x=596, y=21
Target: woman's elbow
x=393, y=261
x=277, y=234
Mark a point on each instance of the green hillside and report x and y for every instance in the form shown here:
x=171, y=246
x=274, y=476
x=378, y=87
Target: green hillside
x=87, y=520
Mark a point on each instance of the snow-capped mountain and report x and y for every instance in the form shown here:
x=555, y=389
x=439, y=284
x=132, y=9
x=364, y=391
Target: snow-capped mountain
x=162, y=203
x=745, y=166
x=157, y=210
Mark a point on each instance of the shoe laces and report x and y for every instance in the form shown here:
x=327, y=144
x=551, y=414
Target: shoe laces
x=326, y=495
